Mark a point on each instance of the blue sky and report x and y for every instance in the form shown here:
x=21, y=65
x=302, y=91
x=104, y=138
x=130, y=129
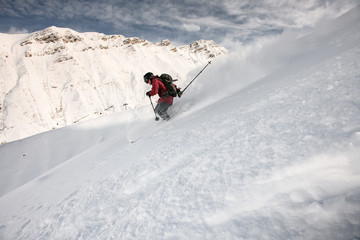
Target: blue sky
x=180, y=21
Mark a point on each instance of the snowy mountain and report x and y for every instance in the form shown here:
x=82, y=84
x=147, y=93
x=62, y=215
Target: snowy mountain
x=263, y=146
x=57, y=77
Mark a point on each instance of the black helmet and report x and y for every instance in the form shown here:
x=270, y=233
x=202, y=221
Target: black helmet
x=148, y=76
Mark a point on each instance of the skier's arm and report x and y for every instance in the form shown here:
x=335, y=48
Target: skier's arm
x=154, y=88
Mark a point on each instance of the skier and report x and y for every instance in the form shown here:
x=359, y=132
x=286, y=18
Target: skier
x=158, y=87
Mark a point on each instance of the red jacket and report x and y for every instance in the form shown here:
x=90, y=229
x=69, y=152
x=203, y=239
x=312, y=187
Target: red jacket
x=158, y=87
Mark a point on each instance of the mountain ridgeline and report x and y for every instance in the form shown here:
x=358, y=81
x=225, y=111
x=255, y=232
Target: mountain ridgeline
x=58, y=77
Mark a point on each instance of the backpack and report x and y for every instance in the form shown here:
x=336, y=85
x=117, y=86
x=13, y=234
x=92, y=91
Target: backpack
x=168, y=82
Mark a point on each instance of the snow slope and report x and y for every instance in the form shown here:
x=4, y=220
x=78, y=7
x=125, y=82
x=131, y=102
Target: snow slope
x=58, y=77
x=277, y=157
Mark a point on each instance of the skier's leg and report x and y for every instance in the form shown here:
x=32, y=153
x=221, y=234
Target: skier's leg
x=161, y=109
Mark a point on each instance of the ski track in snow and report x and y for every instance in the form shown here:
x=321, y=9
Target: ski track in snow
x=276, y=160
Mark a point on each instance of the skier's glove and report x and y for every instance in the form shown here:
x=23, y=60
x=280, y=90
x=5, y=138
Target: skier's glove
x=179, y=93
x=148, y=94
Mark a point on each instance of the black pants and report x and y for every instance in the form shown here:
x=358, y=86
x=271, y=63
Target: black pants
x=161, y=109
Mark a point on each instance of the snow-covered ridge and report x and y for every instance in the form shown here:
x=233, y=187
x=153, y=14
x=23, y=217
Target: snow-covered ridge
x=57, y=76
x=60, y=37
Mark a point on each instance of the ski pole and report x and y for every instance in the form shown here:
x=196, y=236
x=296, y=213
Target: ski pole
x=156, y=117
x=195, y=77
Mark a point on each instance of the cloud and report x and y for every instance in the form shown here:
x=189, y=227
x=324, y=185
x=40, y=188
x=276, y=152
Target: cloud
x=14, y=30
x=191, y=27
x=177, y=20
